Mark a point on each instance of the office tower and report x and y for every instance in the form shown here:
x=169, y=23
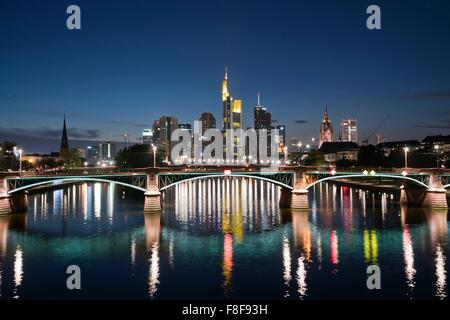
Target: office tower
x=349, y=130
x=208, y=121
x=326, y=129
x=156, y=132
x=92, y=155
x=162, y=133
x=282, y=135
x=262, y=119
x=64, y=140
x=380, y=138
x=106, y=152
x=232, y=109
x=295, y=145
x=232, y=114
x=147, y=136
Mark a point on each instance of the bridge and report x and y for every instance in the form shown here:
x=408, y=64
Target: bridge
x=419, y=188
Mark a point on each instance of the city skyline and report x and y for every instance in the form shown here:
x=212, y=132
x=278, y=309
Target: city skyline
x=124, y=83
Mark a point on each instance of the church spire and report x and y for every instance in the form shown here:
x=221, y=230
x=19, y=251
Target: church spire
x=64, y=139
x=325, y=115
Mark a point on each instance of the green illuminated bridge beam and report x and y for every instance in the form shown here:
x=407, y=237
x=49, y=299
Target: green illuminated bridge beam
x=416, y=189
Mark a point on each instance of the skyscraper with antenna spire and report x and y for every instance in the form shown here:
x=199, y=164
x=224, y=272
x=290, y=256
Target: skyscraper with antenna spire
x=64, y=140
x=232, y=108
x=262, y=119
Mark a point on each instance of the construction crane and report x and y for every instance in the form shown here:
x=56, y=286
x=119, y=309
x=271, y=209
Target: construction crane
x=366, y=140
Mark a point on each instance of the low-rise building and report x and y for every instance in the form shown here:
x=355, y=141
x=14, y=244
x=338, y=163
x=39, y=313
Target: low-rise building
x=442, y=141
x=392, y=146
x=335, y=151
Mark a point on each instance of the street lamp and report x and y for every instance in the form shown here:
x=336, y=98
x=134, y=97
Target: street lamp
x=406, y=149
x=20, y=160
x=285, y=154
x=154, y=155
x=436, y=148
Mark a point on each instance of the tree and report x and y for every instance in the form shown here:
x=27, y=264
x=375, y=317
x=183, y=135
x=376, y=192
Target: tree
x=137, y=156
x=315, y=158
x=370, y=156
x=8, y=159
x=71, y=158
x=49, y=163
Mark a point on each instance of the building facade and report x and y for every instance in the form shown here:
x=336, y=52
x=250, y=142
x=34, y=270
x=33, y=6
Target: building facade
x=208, y=121
x=232, y=108
x=107, y=153
x=232, y=114
x=326, y=129
x=262, y=119
x=349, y=130
x=162, y=133
x=147, y=136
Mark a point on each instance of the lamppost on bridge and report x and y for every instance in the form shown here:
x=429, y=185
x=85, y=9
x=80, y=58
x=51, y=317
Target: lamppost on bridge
x=406, y=149
x=20, y=159
x=154, y=155
x=285, y=149
x=436, y=149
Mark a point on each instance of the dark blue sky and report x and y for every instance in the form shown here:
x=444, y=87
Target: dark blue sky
x=134, y=61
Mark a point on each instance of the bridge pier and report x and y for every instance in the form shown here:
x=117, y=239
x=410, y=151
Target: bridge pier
x=434, y=197
x=298, y=198
x=152, y=195
x=15, y=203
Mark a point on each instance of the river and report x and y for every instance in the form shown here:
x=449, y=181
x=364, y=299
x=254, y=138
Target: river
x=222, y=238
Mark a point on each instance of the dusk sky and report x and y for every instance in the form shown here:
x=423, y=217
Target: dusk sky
x=134, y=61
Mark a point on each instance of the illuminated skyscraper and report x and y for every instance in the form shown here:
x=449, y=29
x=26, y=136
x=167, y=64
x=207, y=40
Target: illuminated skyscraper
x=262, y=119
x=349, y=130
x=147, y=136
x=162, y=132
x=326, y=129
x=232, y=113
x=232, y=109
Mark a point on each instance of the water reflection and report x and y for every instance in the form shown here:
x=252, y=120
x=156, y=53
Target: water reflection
x=221, y=238
x=370, y=247
x=152, y=235
x=18, y=270
x=286, y=265
x=301, y=277
x=408, y=254
x=441, y=273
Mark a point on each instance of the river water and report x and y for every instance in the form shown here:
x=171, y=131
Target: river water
x=222, y=238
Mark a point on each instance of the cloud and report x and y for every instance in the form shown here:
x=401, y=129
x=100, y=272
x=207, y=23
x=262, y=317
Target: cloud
x=426, y=96
x=301, y=121
x=49, y=133
x=431, y=126
x=72, y=115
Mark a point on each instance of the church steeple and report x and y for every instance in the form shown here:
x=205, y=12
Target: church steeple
x=326, y=129
x=64, y=139
x=325, y=115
